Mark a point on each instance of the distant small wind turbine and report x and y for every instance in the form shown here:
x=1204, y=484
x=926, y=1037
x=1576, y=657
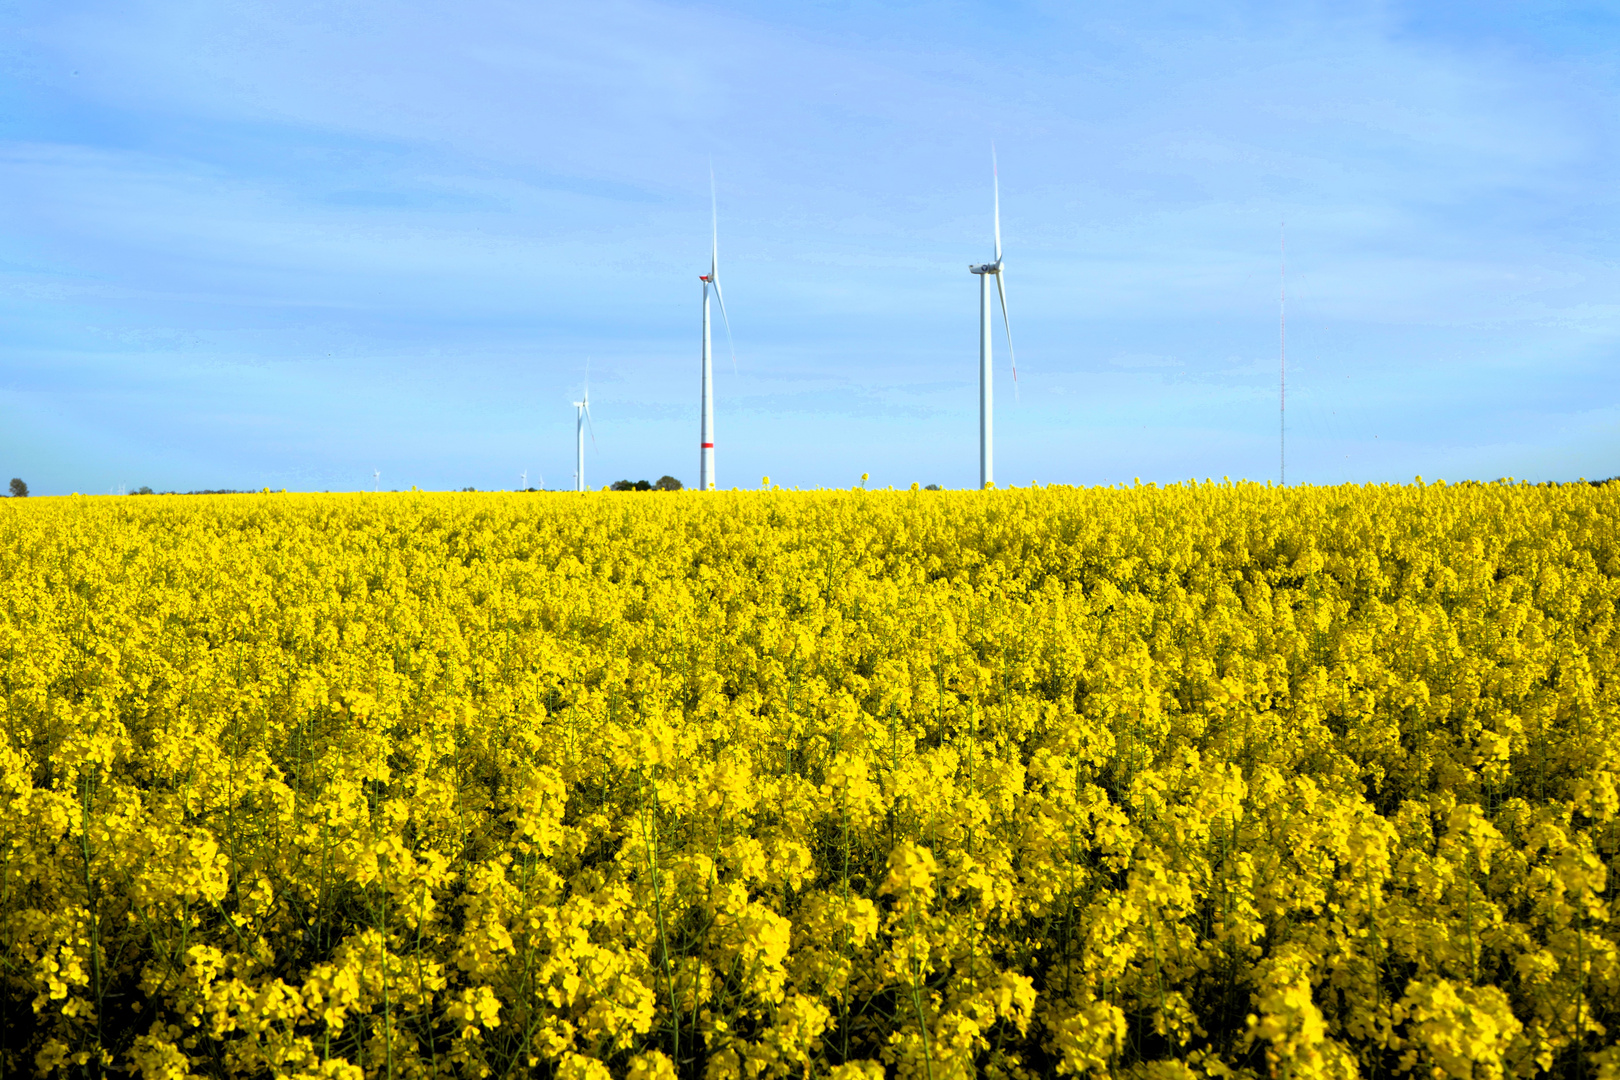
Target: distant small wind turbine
x=523, y=480
x=712, y=278
x=376, y=479
x=582, y=417
x=986, y=321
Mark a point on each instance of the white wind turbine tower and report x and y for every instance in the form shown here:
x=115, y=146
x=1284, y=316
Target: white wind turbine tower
x=706, y=435
x=582, y=416
x=986, y=403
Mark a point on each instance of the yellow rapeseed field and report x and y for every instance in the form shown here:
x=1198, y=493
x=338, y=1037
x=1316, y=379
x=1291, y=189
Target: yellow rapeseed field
x=1208, y=780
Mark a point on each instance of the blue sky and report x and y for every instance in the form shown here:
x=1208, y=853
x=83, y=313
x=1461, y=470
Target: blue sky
x=284, y=244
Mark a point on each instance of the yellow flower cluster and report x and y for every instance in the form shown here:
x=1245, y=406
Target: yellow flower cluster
x=1201, y=781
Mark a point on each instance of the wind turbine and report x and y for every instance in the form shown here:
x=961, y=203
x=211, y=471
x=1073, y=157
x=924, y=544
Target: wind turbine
x=712, y=278
x=582, y=416
x=986, y=433
x=523, y=481
x=376, y=479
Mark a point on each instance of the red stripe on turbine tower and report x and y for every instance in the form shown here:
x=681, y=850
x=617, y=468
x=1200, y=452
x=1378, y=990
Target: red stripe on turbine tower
x=708, y=446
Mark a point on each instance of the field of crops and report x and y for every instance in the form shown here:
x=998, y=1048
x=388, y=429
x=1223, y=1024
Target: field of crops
x=1209, y=780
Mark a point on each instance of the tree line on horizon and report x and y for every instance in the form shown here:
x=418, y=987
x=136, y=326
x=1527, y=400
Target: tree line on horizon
x=19, y=489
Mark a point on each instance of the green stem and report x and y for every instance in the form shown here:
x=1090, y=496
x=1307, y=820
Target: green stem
x=649, y=841
x=91, y=909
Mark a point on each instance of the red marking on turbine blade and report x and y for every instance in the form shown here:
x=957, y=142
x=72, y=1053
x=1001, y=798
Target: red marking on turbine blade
x=708, y=446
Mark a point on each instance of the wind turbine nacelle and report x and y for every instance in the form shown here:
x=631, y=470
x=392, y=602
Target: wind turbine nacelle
x=987, y=268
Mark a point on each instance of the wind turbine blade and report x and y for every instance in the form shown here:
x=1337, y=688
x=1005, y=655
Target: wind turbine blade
x=586, y=404
x=714, y=266
x=727, y=320
x=1002, y=289
x=995, y=179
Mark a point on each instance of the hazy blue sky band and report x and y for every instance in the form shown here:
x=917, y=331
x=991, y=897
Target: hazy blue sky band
x=287, y=244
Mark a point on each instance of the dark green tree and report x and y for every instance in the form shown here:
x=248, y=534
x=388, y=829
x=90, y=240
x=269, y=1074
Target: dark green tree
x=667, y=483
x=19, y=490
